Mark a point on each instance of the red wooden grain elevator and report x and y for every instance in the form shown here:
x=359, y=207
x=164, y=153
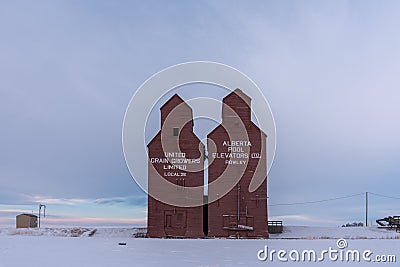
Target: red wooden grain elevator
x=237, y=155
x=237, y=149
x=169, y=151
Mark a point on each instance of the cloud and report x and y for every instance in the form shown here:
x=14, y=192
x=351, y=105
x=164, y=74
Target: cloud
x=127, y=200
x=7, y=218
x=131, y=200
x=6, y=211
x=329, y=71
x=95, y=221
x=61, y=201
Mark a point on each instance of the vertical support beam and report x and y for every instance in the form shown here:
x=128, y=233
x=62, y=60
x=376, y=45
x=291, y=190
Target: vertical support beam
x=40, y=207
x=238, y=202
x=366, y=209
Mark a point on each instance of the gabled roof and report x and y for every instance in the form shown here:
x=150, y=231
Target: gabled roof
x=255, y=125
x=154, y=138
x=175, y=98
x=251, y=122
x=215, y=129
x=239, y=93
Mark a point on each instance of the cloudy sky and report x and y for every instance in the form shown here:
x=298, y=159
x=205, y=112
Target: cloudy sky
x=329, y=69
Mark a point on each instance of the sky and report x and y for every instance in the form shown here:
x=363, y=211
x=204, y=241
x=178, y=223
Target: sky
x=68, y=69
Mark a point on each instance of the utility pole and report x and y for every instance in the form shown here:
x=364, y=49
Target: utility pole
x=366, y=209
x=40, y=211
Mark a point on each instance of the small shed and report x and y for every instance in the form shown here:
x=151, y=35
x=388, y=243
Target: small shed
x=25, y=220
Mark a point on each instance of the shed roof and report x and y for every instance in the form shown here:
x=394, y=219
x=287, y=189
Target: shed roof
x=27, y=214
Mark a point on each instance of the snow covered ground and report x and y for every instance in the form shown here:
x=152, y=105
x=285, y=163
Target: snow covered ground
x=306, y=232
x=58, y=247
x=75, y=232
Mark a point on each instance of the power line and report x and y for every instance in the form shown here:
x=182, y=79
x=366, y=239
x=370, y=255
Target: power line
x=379, y=195
x=316, y=201
x=331, y=199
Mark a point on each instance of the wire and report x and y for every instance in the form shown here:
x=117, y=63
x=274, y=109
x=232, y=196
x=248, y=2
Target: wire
x=317, y=201
x=330, y=199
x=379, y=195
